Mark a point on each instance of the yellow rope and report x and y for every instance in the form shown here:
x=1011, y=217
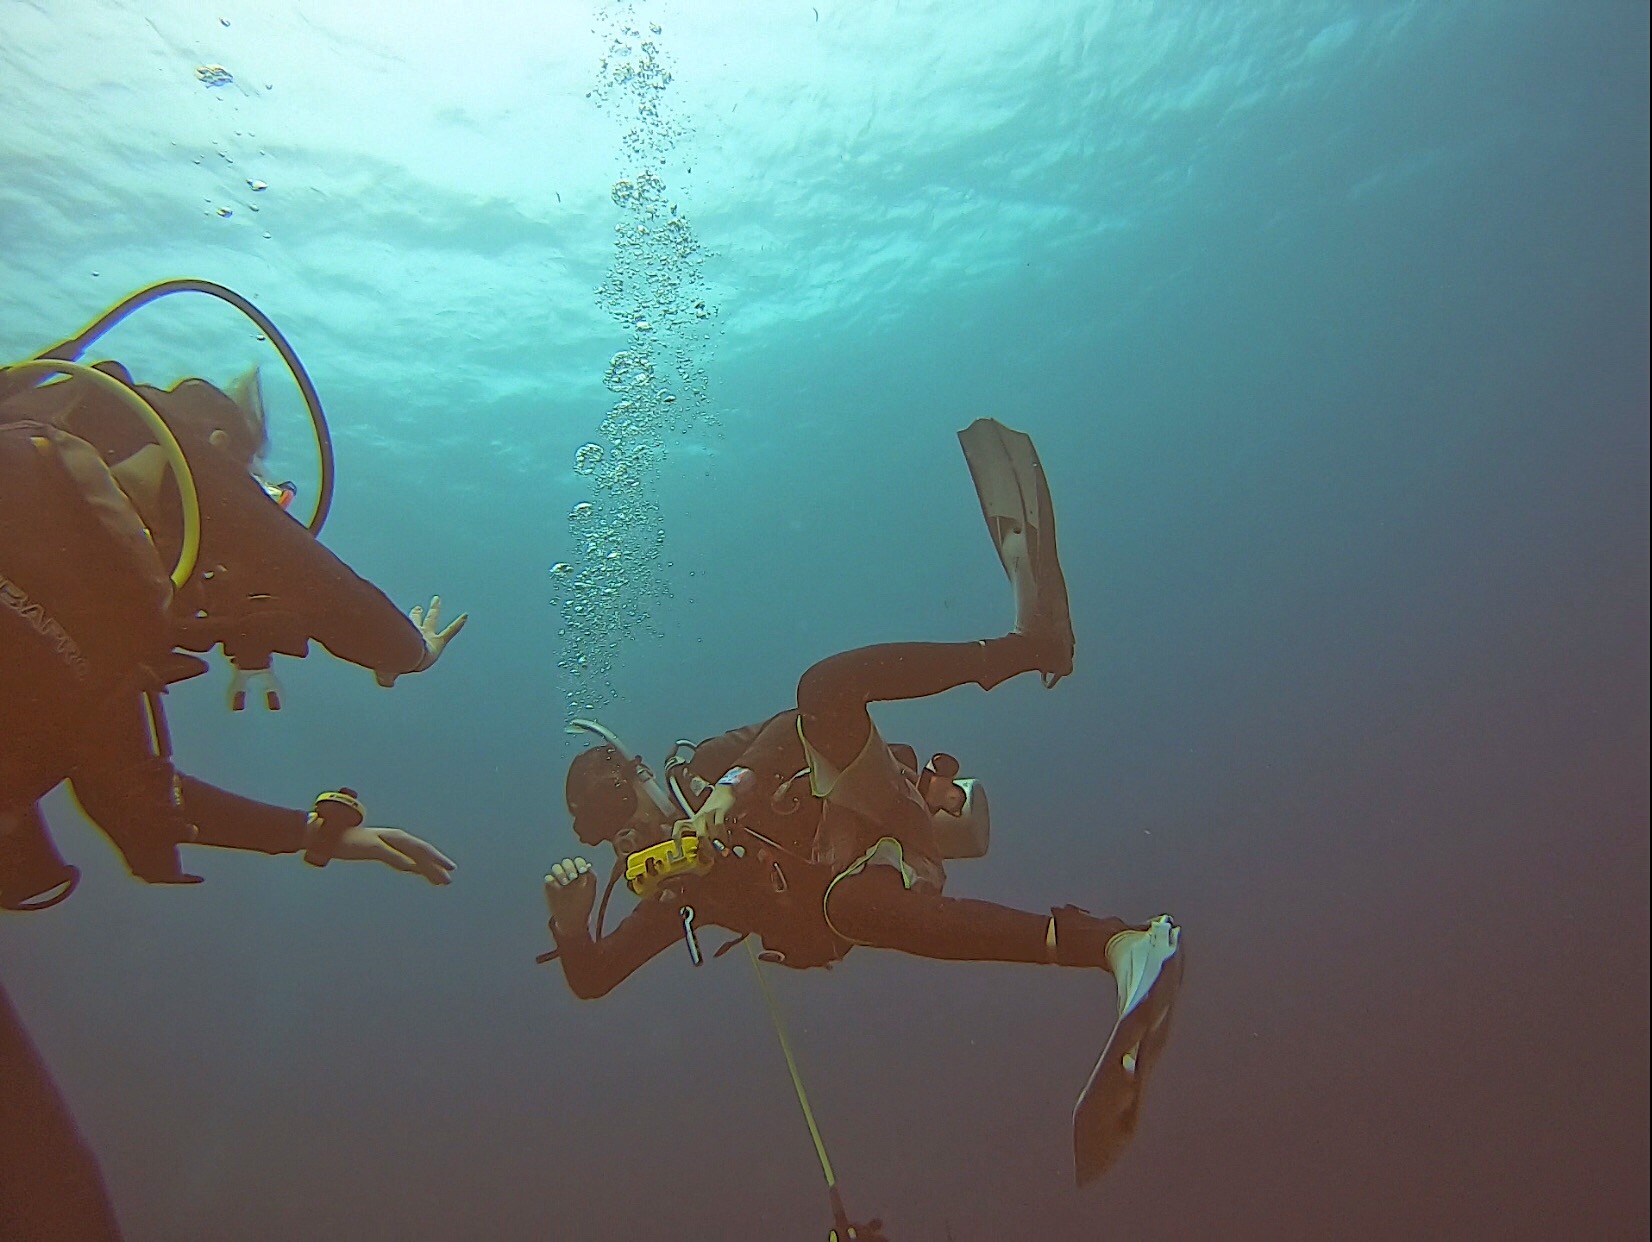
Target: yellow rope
x=791, y=1068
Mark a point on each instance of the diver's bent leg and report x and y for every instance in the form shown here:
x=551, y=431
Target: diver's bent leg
x=873, y=907
x=832, y=696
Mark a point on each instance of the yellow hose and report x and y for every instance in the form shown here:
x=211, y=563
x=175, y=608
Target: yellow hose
x=181, y=476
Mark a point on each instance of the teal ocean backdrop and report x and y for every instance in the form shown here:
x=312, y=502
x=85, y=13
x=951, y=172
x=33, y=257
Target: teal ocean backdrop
x=1330, y=322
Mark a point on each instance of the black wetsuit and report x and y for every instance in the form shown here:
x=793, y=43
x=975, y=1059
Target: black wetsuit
x=88, y=625
x=780, y=894
x=773, y=888
x=86, y=635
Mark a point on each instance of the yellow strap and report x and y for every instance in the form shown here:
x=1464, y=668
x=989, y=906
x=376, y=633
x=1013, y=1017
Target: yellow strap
x=879, y=855
x=791, y=1068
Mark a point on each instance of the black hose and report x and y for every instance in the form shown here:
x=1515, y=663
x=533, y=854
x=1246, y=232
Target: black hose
x=613, y=879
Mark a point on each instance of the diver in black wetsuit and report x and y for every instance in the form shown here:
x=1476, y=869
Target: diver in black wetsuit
x=90, y=623
x=91, y=630
x=811, y=874
x=824, y=836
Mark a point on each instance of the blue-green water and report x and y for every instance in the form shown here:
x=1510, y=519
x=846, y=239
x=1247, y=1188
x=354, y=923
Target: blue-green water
x=1330, y=321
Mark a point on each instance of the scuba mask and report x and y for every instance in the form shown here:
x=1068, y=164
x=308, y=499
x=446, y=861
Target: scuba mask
x=282, y=493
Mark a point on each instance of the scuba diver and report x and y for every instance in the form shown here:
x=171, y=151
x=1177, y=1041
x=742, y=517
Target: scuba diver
x=95, y=629
x=814, y=833
x=104, y=483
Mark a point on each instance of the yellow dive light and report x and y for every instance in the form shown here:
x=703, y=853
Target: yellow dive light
x=647, y=871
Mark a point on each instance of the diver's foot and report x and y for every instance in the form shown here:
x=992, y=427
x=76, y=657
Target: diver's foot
x=1042, y=614
x=1082, y=939
x=1008, y=656
x=1137, y=960
x=1052, y=646
x=1147, y=965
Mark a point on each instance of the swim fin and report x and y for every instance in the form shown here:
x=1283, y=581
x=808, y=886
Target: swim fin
x=1147, y=966
x=1015, y=500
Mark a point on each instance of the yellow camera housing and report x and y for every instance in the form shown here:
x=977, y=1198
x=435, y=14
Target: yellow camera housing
x=648, y=870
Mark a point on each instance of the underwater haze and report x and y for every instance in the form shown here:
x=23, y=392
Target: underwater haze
x=1330, y=322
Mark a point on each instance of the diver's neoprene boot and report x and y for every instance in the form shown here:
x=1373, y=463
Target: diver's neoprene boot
x=1082, y=939
x=1147, y=969
x=1006, y=657
x=1137, y=957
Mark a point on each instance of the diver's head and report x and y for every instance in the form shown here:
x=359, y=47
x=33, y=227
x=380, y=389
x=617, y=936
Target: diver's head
x=231, y=421
x=603, y=799
x=210, y=425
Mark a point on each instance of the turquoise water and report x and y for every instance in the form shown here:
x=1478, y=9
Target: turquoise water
x=1330, y=321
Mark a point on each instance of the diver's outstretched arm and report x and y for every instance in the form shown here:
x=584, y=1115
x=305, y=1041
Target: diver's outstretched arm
x=229, y=821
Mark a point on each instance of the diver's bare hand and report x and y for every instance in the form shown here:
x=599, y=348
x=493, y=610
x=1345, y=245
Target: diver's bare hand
x=708, y=836
x=395, y=848
x=711, y=822
x=712, y=819
x=435, y=639
x=570, y=892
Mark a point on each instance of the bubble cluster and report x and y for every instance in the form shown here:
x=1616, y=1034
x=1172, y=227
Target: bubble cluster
x=234, y=194
x=616, y=578
x=629, y=371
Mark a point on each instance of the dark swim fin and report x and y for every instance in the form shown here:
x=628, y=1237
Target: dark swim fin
x=1147, y=966
x=1015, y=500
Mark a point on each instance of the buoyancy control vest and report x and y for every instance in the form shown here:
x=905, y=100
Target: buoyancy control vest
x=83, y=600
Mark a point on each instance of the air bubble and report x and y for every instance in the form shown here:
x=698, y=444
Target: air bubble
x=588, y=459
x=654, y=291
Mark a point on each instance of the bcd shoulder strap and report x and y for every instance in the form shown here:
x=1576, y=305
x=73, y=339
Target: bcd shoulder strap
x=83, y=595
